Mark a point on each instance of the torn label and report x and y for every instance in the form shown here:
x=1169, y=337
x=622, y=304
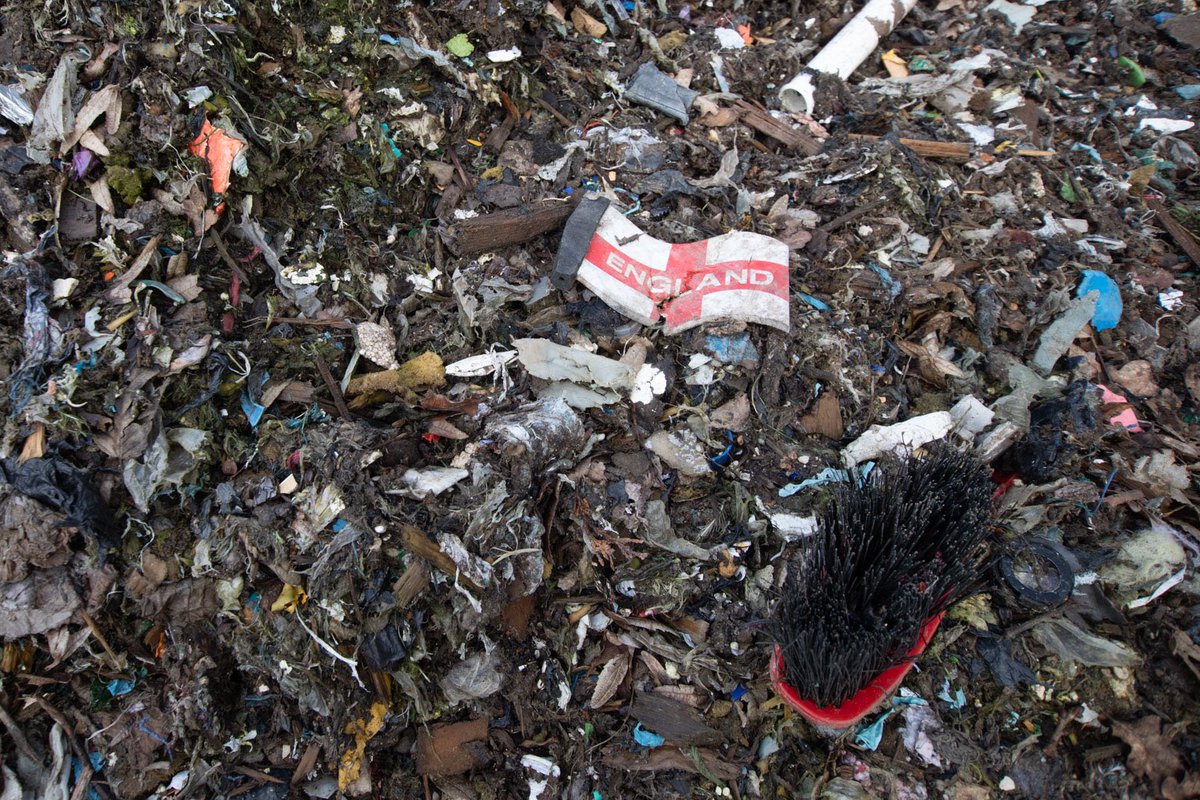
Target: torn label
x=735, y=276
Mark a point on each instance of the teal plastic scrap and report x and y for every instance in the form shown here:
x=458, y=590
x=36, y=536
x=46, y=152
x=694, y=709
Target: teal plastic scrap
x=647, y=738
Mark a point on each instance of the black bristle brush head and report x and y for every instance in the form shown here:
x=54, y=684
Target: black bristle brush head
x=891, y=552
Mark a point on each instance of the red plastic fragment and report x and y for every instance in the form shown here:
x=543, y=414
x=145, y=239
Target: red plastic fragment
x=868, y=698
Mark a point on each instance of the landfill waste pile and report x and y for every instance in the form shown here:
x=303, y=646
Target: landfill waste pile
x=599, y=399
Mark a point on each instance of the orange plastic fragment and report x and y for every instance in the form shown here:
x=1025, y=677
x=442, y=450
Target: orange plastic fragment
x=219, y=148
x=744, y=30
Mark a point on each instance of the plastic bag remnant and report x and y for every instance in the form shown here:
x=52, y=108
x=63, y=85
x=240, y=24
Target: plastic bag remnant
x=1108, y=304
x=537, y=438
x=473, y=678
x=66, y=489
x=913, y=432
x=1071, y=643
x=41, y=338
x=653, y=88
x=736, y=276
x=1057, y=338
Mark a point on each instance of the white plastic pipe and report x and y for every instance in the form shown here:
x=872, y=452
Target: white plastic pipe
x=846, y=51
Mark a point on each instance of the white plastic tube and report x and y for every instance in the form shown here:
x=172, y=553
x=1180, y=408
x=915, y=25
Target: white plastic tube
x=846, y=51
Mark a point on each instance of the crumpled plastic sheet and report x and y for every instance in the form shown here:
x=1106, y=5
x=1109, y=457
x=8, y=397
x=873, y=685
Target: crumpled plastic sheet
x=68, y=490
x=473, y=678
x=41, y=338
x=1071, y=643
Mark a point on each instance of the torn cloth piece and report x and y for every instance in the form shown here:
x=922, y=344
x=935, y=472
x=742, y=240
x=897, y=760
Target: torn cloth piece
x=735, y=276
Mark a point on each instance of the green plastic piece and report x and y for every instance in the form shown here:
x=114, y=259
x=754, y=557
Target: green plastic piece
x=1134, y=75
x=460, y=46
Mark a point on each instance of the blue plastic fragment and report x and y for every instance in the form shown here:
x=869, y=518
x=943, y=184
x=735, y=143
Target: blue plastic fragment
x=1087, y=148
x=252, y=410
x=338, y=525
x=119, y=687
x=387, y=38
x=819, y=305
x=387, y=134
x=827, y=475
x=956, y=700
x=736, y=349
x=1109, y=306
x=870, y=736
x=722, y=459
x=77, y=772
x=1162, y=17
x=891, y=284
x=1189, y=91
x=647, y=738
x=738, y=693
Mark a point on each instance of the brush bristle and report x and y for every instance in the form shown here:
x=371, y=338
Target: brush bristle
x=891, y=552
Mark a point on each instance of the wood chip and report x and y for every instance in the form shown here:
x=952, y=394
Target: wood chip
x=515, y=618
x=506, y=228
x=926, y=148
x=668, y=758
x=825, y=419
x=1187, y=243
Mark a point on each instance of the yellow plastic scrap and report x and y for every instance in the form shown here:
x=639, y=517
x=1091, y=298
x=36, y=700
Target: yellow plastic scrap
x=893, y=62
x=350, y=765
x=425, y=371
x=291, y=598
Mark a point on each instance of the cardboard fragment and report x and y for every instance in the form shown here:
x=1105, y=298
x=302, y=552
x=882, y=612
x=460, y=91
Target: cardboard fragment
x=452, y=749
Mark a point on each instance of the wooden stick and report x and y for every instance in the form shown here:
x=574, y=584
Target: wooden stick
x=758, y=118
x=338, y=400
x=506, y=228
x=1180, y=234
x=95, y=629
x=554, y=112
x=927, y=148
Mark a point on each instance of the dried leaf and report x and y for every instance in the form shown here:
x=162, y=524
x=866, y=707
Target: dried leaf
x=129, y=435
x=1150, y=752
x=610, y=679
x=1189, y=789
x=42, y=602
x=119, y=291
x=439, y=426
x=101, y=195
x=107, y=101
